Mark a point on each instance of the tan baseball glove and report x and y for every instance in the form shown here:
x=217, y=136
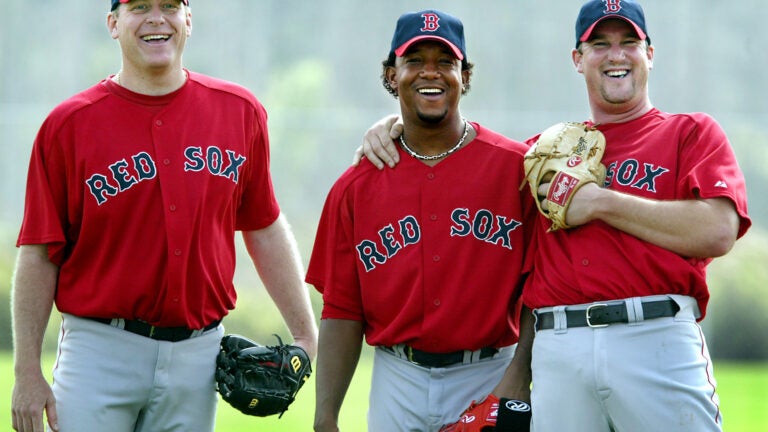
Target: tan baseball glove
x=568, y=155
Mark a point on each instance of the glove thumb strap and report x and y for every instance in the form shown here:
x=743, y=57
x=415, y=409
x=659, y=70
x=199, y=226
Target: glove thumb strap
x=514, y=415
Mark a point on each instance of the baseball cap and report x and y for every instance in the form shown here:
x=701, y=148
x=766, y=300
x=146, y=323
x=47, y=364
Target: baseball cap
x=428, y=25
x=116, y=3
x=594, y=11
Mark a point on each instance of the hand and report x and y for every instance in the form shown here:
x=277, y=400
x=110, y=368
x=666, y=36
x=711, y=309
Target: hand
x=378, y=145
x=582, y=207
x=31, y=396
x=308, y=344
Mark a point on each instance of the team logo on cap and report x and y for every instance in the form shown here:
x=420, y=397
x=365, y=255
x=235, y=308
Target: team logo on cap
x=431, y=22
x=612, y=6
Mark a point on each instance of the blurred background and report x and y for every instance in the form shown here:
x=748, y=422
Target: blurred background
x=316, y=67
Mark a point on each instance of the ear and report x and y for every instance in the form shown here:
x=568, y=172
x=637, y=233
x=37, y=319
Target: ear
x=649, y=53
x=189, y=22
x=112, y=25
x=466, y=77
x=577, y=57
x=391, y=74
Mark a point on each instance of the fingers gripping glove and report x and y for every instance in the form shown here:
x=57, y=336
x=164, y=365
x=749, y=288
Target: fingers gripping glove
x=568, y=155
x=493, y=415
x=260, y=380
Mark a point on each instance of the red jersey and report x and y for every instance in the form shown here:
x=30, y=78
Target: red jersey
x=658, y=156
x=138, y=198
x=428, y=256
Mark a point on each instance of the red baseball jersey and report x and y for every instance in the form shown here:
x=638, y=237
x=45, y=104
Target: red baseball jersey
x=658, y=156
x=428, y=256
x=138, y=198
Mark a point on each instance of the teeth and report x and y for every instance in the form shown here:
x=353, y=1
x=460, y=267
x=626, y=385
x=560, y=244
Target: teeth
x=430, y=91
x=154, y=37
x=616, y=74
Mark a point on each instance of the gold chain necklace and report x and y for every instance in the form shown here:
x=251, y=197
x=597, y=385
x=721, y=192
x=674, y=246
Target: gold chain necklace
x=437, y=156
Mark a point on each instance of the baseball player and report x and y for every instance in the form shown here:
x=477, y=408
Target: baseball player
x=135, y=189
x=617, y=299
x=423, y=261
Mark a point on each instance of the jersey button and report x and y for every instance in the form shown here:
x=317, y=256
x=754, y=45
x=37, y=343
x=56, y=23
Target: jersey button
x=177, y=252
x=433, y=217
x=166, y=161
x=158, y=122
x=431, y=176
x=436, y=302
x=436, y=258
x=585, y=262
x=172, y=207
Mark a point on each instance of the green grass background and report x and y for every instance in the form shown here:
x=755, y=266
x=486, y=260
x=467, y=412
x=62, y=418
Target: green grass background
x=742, y=387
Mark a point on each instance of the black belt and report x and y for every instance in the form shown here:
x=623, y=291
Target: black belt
x=602, y=314
x=428, y=359
x=169, y=334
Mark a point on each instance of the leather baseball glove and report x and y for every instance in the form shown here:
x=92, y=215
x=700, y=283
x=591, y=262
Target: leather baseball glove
x=493, y=415
x=260, y=380
x=479, y=417
x=568, y=155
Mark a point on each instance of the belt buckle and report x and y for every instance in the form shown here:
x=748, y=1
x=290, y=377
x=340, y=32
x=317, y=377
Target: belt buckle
x=588, y=314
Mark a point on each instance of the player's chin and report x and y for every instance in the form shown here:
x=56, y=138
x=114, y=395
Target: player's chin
x=432, y=117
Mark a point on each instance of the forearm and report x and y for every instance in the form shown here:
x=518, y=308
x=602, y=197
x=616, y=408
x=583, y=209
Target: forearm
x=338, y=354
x=516, y=382
x=694, y=227
x=34, y=285
x=276, y=257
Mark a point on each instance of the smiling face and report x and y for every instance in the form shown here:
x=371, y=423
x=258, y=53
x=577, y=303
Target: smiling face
x=428, y=80
x=152, y=34
x=615, y=64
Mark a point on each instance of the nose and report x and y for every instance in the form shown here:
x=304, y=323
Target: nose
x=155, y=16
x=430, y=70
x=616, y=53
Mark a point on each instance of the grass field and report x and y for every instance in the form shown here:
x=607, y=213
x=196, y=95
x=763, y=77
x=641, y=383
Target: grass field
x=743, y=390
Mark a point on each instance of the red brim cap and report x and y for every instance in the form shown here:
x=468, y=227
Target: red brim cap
x=594, y=11
x=404, y=47
x=430, y=24
x=640, y=33
x=116, y=3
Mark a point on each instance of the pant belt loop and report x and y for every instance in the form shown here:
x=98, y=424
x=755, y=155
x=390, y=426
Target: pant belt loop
x=689, y=307
x=634, y=307
x=399, y=350
x=561, y=320
x=118, y=322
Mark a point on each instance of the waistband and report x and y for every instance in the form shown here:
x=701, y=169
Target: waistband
x=602, y=314
x=142, y=328
x=440, y=360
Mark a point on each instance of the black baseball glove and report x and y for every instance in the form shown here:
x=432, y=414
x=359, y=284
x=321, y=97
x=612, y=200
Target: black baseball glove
x=260, y=380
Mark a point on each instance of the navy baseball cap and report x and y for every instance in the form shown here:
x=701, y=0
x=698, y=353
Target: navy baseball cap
x=594, y=11
x=429, y=25
x=116, y=3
